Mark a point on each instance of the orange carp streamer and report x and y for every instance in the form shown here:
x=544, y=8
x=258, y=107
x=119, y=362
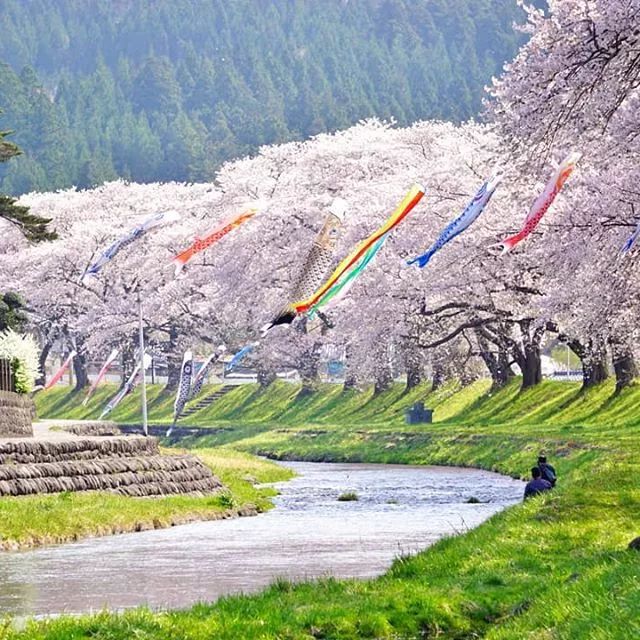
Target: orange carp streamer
x=200, y=244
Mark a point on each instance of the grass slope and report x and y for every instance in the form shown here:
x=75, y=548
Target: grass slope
x=554, y=568
x=551, y=402
x=29, y=521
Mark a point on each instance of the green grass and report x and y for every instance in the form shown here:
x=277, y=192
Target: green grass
x=550, y=402
x=28, y=521
x=554, y=568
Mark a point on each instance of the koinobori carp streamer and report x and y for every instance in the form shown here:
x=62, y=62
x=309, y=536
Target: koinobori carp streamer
x=352, y=261
x=205, y=369
x=60, y=372
x=103, y=372
x=462, y=222
x=631, y=241
x=184, y=389
x=239, y=356
x=128, y=387
x=543, y=201
x=109, y=254
x=200, y=244
x=318, y=262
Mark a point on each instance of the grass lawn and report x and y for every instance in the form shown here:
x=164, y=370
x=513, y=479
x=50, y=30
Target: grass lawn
x=555, y=568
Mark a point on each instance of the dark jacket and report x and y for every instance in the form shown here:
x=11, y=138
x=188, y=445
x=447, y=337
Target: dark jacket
x=535, y=487
x=548, y=473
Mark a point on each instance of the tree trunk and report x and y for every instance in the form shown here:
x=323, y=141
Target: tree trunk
x=594, y=367
x=350, y=383
x=528, y=356
x=173, y=373
x=126, y=365
x=437, y=377
x=265, y=376
x=498, y=366
x=383, y=375
x=593, y=361
x=594, y=372
x=80, y=371
x=624, y=364
x=531, y=366
x=308, y=371
x=79, y=362
x=414, y=365
x=414, y=378
x=504, y=372
x=383, y=382
x=350, y=379
x=174, y=362
x=42, y=361
x=626, y=371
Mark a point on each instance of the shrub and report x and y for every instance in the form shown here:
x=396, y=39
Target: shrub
x=22, y=352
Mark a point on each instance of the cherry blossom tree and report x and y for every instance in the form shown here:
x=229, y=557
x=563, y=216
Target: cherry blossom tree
x=575, y=84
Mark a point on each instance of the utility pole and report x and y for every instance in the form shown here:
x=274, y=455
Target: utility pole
x=143, y=379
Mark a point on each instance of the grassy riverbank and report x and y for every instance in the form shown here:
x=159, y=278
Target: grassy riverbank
x=550, y=403
x=555, y=568
x=29, y=521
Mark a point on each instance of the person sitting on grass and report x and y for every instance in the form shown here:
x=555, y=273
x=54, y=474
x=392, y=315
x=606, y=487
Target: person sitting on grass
x=537, y=484
x=547, y=472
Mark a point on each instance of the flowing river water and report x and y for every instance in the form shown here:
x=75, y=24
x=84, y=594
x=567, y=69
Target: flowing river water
x=400, y=510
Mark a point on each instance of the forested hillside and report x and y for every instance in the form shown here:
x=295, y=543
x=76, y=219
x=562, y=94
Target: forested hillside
x=166, y=89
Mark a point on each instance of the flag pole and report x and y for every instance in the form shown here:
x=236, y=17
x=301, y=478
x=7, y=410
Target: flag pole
x=143, y=381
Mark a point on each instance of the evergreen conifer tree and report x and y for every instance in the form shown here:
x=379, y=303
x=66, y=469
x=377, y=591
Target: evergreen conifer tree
x=33, y=227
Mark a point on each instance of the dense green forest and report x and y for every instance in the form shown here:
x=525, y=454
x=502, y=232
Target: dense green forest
x=168, y=89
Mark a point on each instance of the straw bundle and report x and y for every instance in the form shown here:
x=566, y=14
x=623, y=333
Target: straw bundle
x=130, y=466
x=16, y=413
x=92, y=428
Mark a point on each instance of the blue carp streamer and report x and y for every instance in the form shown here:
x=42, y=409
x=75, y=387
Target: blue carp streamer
x=630, y=243
x=112, y=251
x=238, y=357
x=462, y=222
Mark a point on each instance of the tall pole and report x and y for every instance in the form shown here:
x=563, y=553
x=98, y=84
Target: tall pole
x=143, y=381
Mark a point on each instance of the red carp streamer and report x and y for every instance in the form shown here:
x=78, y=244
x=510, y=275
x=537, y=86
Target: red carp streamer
x=105, y=367
x=543, y=201
x=60, y=372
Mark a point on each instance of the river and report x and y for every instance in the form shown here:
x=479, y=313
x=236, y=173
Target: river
x=400, y=510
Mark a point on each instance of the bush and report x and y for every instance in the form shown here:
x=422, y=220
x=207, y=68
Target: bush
x=22, y=352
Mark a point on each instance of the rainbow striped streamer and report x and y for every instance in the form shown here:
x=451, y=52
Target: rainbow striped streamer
x=358, y=259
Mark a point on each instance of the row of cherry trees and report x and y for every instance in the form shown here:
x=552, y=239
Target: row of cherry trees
x=573, y=86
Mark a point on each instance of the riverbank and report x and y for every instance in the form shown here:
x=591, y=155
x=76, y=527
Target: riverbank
x=310, y=534
x=556, y=567
x=32, y=521
x=552, y=403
